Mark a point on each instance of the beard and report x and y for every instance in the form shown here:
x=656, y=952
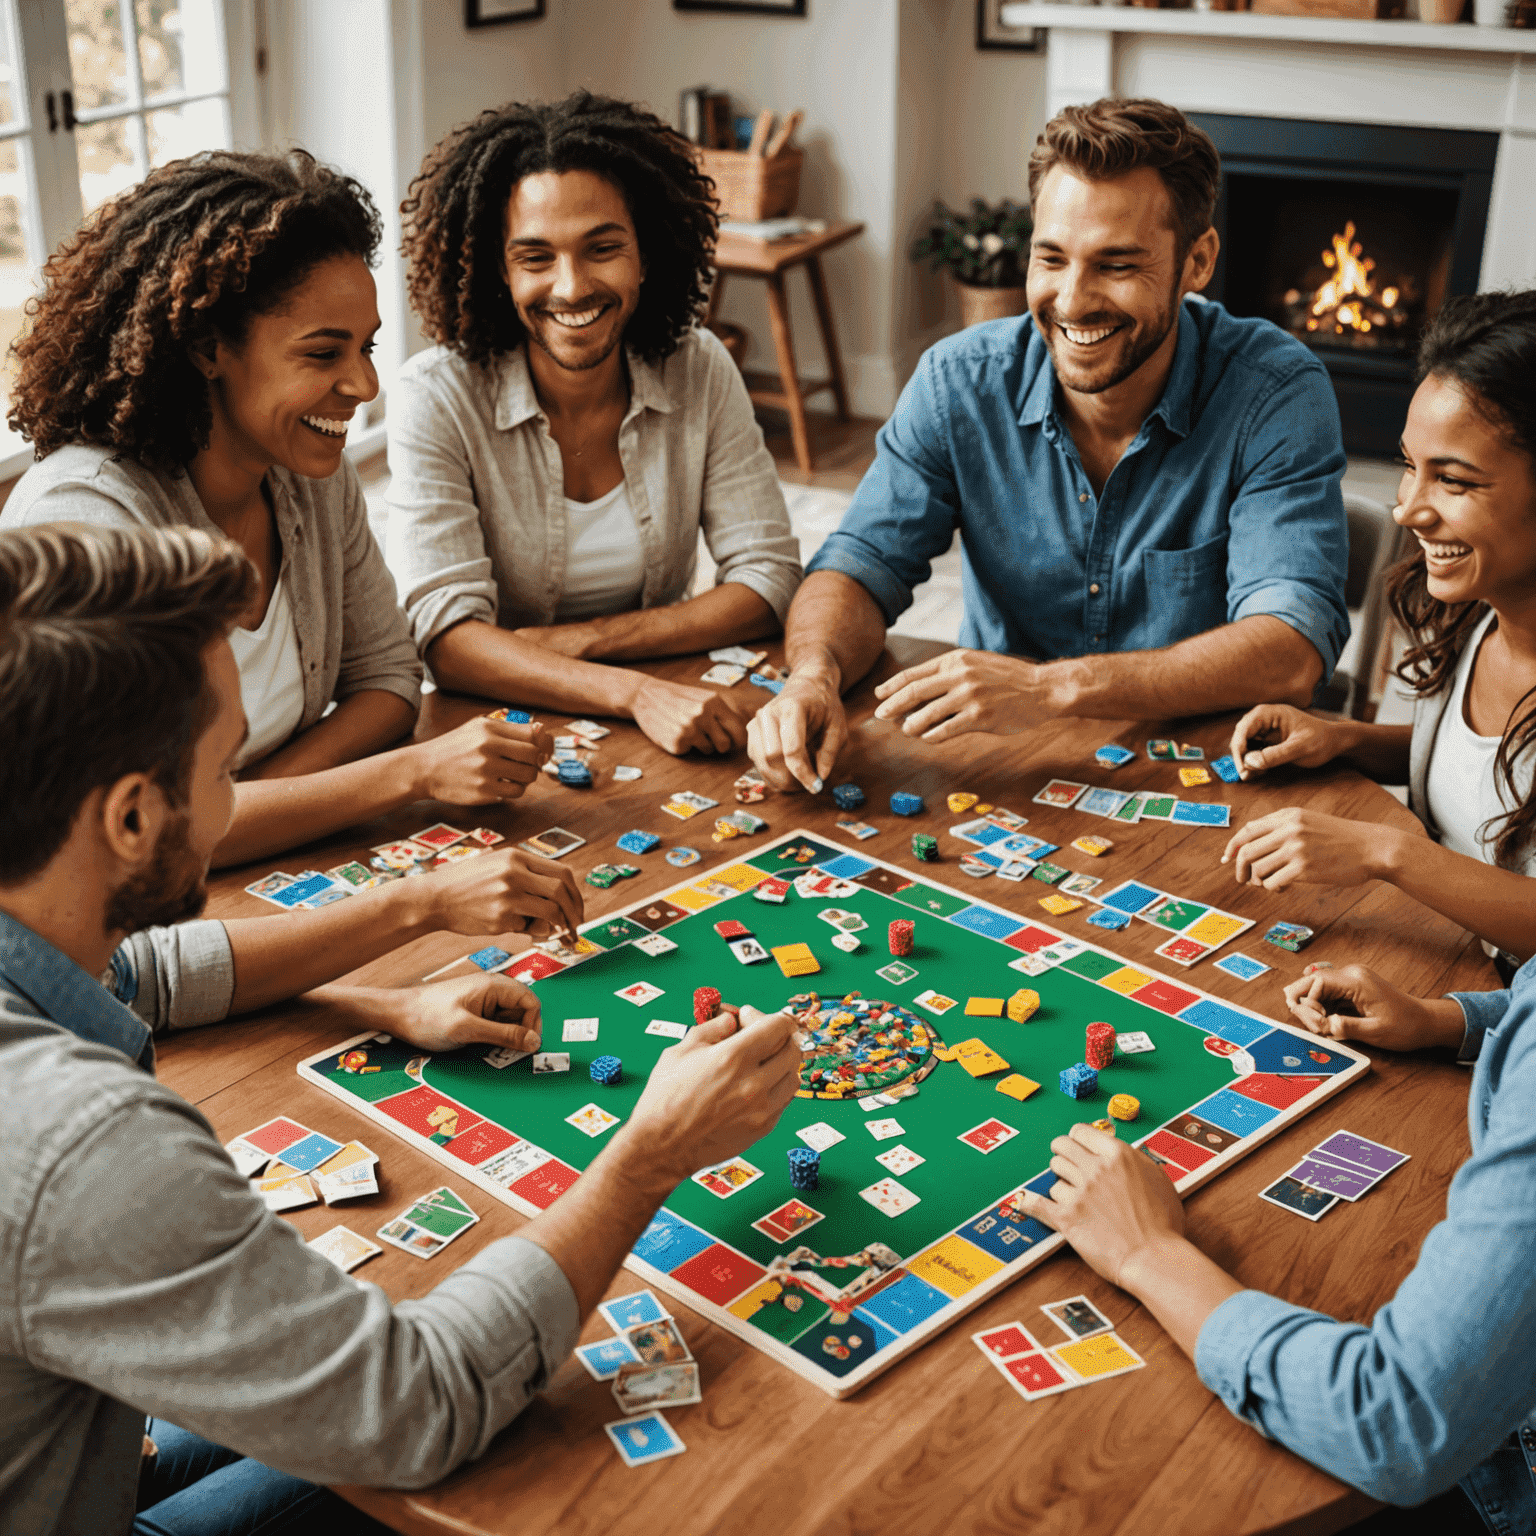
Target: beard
x=537, y=335
x=172, y=889
x=1141, y=345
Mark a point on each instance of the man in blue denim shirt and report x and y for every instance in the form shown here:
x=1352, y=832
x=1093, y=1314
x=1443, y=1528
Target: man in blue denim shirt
x=1146, y=488
x=1439, y=1389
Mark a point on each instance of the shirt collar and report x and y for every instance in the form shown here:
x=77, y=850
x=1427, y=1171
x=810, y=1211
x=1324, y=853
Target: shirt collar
x=1174, y=406
x=62, y=993
x=516, y=401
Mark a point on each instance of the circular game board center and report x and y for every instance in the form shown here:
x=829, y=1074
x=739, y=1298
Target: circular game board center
x=857, y=1046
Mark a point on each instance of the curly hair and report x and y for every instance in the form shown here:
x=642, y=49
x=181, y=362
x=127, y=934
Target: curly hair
x=454, y=218
x=187, y=257
x=1486, y=344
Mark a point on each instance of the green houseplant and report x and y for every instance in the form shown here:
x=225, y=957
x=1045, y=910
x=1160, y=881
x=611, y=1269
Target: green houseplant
x=986, y=251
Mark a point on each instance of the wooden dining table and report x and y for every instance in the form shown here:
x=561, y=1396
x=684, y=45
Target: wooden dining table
x=940, y=1442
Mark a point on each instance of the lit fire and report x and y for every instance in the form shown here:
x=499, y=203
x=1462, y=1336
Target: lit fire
x=1348, y=303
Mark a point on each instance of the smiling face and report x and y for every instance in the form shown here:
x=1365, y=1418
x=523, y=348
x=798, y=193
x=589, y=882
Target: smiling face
x=1468, y=493
x=1105, y=278
x=285, y=394
x=572, y=265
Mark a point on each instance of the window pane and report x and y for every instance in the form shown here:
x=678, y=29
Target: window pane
x=15, y=268
x=179, y=46
x=107, y=167
x=96, y=57
x=9, y=84
x=181, y=131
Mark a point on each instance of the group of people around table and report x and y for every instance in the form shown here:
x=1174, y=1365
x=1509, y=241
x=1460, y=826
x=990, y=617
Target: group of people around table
x=206, y=658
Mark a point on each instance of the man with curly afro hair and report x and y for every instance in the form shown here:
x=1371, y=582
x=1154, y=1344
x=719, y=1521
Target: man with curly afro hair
x=558, y=452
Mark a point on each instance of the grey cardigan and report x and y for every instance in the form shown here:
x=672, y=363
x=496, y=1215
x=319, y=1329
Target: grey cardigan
x=352, y=635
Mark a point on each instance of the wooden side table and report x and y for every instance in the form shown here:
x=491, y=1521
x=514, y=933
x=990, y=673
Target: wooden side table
x=737, y=256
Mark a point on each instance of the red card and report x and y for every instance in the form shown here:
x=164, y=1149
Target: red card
x=275, y=1135
x=719, y=1274
x=1009, y=1340
x=480, y=1142
x=1035, y=1373
x=1277, y=1092
x=1219, y=1047
x=429, y=1113
x=533, y=966
x=1185, y=1153
x=546, y=1183
x=1165, y=997
x=1029, y=939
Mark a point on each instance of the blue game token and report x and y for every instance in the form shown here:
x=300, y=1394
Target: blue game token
x=1113, y=756
x=1226, y=769
x=904, y=804
x=1079, y=1082
x=1108, y=917
x=638, y=842
x=849, y=797
x=606, y=1070
x=681, y=858
x=575, y=774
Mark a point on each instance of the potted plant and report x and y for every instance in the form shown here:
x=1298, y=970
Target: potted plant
x=986, y=252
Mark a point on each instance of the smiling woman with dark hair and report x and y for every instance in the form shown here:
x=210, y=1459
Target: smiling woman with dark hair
x=196, y=354
x=558, y=453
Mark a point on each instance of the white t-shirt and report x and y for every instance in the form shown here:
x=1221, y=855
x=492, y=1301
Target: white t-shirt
x=1461, y=792
x=271, y=677
x=604, y=563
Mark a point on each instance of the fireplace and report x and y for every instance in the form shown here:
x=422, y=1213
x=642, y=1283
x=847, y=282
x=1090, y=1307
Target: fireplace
x=1350, y=236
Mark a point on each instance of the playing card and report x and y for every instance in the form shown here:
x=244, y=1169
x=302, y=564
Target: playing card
x=643, y=1440
x=578, y=1030
x=1113, y=756
x=654, y=944
x=248, y=1160
x=1077, y=1317
x=1102, y=802
x=1108, y=917
x=667, y=1028
x=623, y=1312
x=285, y=1191
x=883, y=1130
x=1333, y=1179
x=841, y=917
x=1299, y=1199
x=1244, y=967
x=640, y=992
x=554, y=843
x=1158, y=807
x=846, y=942
x=724, y=674
x=429, y=1225
x=604, y=1359
x=500, y=1056
x=1036, y=1375
x=305, y=889
x=439, y=837
x=1182, y=951
x=344, y=1248
x=1361, y=1153
x=269, y=885
x=897, y=972
x=685, y=804
x=1079, y=885
x=589, y=728
x=820, y=1136
x=889, y=1197
x=935, y=1002
x=592, y=1120
x=625, y=774
x=307, y=1155
x=639, y=1387
x=875, y=1101
x=658, y=1342
x=1133, y=1042
x=793, y=1217
x=748, y=951
x=978, y=1058
x=356, y=875
x=1197, y=813
x=1095, y=1359
x=552, y=1061
x=1061, y=792
x=899, y=1159
x=727, y=1178
x=1130, y=896
x=349, y=1183
x=987, y=1136
x=1001, y=1343
x=859, y=829
x=738, y=656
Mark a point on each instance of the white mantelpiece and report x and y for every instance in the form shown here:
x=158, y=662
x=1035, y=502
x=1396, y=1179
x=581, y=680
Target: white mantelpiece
x=1413, y=74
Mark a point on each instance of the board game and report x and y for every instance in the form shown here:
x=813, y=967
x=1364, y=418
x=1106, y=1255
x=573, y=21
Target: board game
x=911, y=1224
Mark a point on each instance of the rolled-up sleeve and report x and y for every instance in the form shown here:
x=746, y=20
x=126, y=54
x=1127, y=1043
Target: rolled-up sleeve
x=1289, y=545
x=904, y=513
x=1482, y=1011
x=742, y=512
x=1406, y=1407
x=435, y=544
x=175, y=978
x=221, y=1320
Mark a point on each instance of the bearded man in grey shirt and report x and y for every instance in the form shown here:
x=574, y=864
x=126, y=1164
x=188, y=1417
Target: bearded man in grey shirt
x=270, y=1368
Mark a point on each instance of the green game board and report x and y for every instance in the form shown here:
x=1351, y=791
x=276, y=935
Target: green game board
x=843, y=1297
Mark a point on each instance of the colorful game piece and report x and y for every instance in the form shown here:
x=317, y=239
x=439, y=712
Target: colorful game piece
x=847, y=797
x=1100, y=1051
x=1108, y=917
x=1291, y=936
x=1192, y=778
x=900, y=936
x=1079, y=1082
x=606, y=1070
x=1017, y=1086
x=1161, y=751
x=796, y=959
x=681, y=858
x=1113, y=756
x=1060, y=792
x=1124, y=1106
x=762, y=680
x=1023, y=1005
x=574, y=775
x=511, y=716
x=731, y=929
x=1059, y=906
x=904, y=804
x=750, y=788
x=804, y=1168
x=1092, y=843
x=978, y=1058
x=1105, y=1124
x=706, y=1004
x=925, y=847
x=1049, y=874
x=1227, y=770
x=960, y=802
x=773, y=891
x=984, y=1007
x=745, y=822
x=638, y=841
x=1187, y=753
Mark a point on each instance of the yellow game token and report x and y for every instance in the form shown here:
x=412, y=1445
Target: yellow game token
x=982, y=807
x=1093, y=843
x=1023, y=1005
x=1059, y=906
x=1017, y=1086
x=984, y=1007
x=1104, y=1125
x=1191, y=777
x=1124, y=1106
x=960, y=802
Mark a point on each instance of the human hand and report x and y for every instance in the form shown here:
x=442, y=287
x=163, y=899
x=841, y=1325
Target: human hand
x=470, y=1010
x=1292, y=736
x=718, y=1090
x=796, y=737
x=1297, y=846
x=963, y=691
x=679, y=717
x=1356, y=1004
x=1110, y=1201
x=508, y=891
x=482, y=761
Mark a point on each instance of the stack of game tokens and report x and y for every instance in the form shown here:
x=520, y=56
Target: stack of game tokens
x=1124, y=1106
x=901, y=936
x=804, y=1168
x=1079, y=1082
x=925, y=847
x=706, y=1004
x=606, y=1070
x=1100, y=1051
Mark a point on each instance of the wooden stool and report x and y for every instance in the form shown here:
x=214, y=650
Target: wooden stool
x=737, y=256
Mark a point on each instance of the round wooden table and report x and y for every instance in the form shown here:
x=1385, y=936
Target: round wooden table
x=939, y=1442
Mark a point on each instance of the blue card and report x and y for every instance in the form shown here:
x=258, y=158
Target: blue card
x=301, y=890
x=1241, y=966
x=1197, y=813
x=625, y=1311
x=1108, y=917
x=638, y=842
x=1113, y=756
x=308, y=1154
x=1102, y=802
x=489, y=957
x=1130, y=897
x=644, y=1440
x=1226, y=769
x=604, y=1358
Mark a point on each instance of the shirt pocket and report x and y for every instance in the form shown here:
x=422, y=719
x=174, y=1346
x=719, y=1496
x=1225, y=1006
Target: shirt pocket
x=1202, y=569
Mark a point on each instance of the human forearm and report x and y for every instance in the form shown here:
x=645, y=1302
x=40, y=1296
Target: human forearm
x=476, y=657
x=725, y=615
x=357, y=727
x=1178, y=1285
x=1496, y=904
x=835, y=630
x=1380, y=752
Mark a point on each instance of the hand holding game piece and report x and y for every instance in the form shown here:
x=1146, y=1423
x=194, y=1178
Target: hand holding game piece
x=483, y=1009
x=1356, y=1004
x=481, y=762
x=680, y=718
x=1307, y=847
x=1292, y=736
x=796, y=737
x=507, y=891
x=963, y=691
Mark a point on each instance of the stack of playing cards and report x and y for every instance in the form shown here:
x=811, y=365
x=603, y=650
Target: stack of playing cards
x=429, y=1224
x=1342, y=1168
x=301, y=1165
x=1094, y=1352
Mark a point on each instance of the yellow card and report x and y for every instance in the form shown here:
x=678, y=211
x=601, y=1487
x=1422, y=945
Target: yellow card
x=681, y=809
x=984, y=1007
x=944, y=1052
x=1058, y=906
x=691, y=899
x=1191, y=777
x=1126, y=981
x=740, y=877
x=1106, y=1354
x=954, y=1265
x=1092, y=843
x=1017, y=1086
x=978, y=1058
x=796, y=959
x=1215, y=928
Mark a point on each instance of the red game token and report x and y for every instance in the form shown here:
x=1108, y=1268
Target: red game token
x=1100, y=1051
x=901, y=936
x=706, y=1004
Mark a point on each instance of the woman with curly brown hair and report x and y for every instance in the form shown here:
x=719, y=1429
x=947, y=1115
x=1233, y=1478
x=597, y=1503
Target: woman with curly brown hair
x=1467, y=600
x=194, y=358
x=557, y=454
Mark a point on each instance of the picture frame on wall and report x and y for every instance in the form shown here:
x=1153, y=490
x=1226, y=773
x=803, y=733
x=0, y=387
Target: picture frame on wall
x=744, y=7
x=993, y=36
x=499, y=13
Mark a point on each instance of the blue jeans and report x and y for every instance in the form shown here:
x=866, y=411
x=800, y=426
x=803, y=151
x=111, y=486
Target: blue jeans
x=194, y=1488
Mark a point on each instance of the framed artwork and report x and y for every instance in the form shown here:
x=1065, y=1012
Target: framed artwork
x=744, y=7
x=498, y=13
x=992, y=34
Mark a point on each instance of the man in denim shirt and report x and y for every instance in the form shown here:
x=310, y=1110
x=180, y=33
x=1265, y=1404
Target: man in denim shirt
x=1438, y=1389
x=1146, y=488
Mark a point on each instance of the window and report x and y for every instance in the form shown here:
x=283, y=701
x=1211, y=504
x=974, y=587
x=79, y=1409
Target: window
x=93, y=95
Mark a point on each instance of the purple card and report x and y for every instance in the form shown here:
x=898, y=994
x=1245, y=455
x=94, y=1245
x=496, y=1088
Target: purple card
x=1362, y=1153
x=1331, y=1179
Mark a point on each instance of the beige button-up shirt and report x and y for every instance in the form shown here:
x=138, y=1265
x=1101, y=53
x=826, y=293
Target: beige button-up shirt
x=477, y=519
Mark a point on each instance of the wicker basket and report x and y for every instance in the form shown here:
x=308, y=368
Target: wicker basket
x=750, y=187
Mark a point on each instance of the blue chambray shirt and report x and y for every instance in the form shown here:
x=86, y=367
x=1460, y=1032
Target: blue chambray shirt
x=1226, y=504
x=1422, y=1397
